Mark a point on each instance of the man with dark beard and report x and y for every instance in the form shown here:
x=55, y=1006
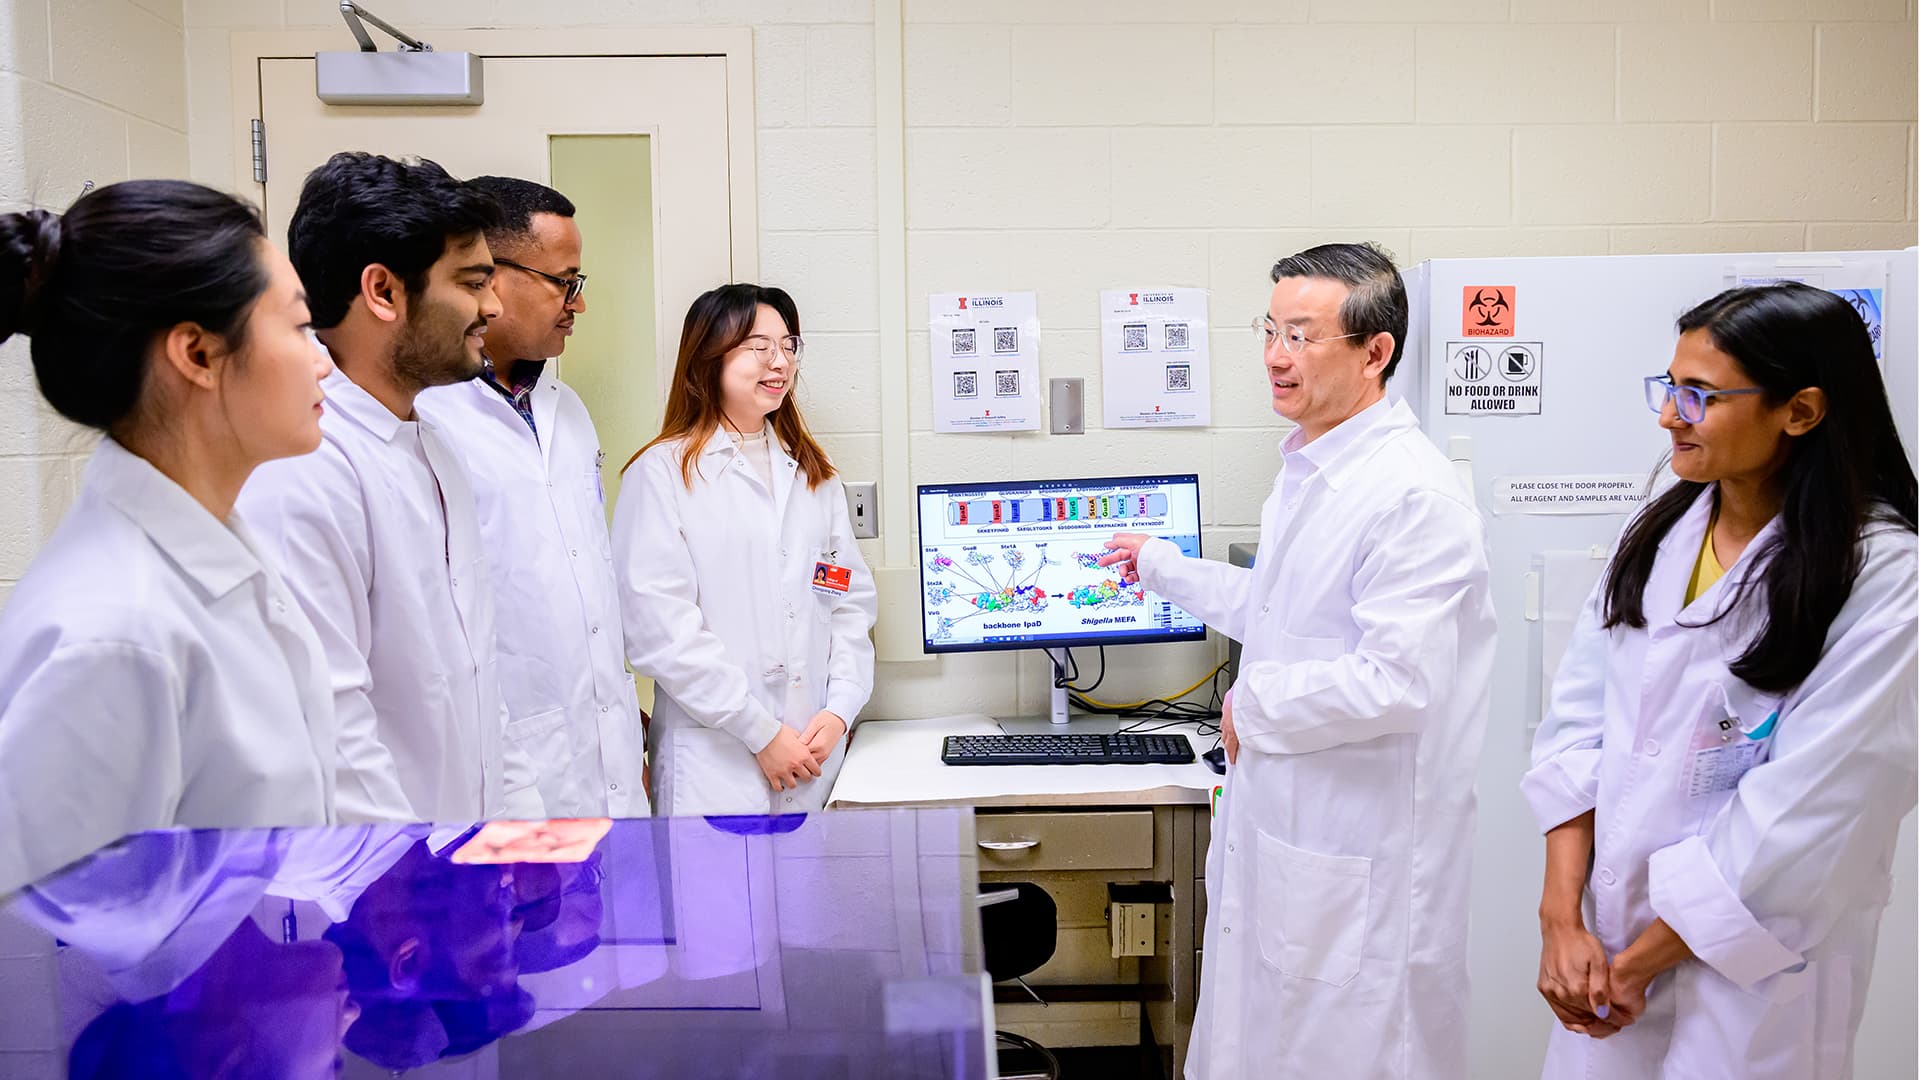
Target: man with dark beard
x=376, y=530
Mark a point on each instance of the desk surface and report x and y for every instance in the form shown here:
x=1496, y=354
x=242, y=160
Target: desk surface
x=897, y=763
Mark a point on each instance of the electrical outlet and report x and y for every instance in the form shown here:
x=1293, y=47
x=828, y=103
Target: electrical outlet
x=863, y=507
x=1132, y=928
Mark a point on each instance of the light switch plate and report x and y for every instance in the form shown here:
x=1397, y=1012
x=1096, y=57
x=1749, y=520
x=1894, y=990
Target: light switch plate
x=1067, y=406
x=863, y=506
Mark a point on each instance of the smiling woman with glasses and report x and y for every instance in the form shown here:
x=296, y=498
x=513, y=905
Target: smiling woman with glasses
x=1730, y=745
x=743, y=592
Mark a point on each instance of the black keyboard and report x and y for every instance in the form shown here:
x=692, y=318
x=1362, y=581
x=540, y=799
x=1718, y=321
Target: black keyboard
x=1067, y=749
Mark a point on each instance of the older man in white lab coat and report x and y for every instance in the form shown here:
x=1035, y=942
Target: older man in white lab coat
x=536, y=462
x=1338, y=876
x=376, y=529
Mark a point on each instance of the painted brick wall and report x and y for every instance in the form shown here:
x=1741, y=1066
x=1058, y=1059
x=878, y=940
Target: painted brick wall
x=89, y=90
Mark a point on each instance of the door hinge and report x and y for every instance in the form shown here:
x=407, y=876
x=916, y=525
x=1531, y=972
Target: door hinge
x=259, y=151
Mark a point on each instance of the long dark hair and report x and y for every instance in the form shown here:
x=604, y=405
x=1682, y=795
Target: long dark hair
x=717, y=323
x=126, y=262
x=1842, y=478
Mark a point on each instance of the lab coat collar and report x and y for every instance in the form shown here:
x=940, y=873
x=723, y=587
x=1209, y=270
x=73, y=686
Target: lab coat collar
x=1667, y=584
x=347, y=398
x=206, y=550
x=719, y=441
x=546, y=409
x=785, y=468
x=1339, y=452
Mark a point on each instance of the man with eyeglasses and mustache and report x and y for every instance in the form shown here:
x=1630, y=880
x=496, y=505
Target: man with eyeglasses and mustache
x=535, y=458
x=376, y=530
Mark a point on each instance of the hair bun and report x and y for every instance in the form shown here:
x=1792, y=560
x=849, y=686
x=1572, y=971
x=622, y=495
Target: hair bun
x=29, y=251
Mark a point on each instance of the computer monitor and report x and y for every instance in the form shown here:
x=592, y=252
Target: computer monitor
x=1014, y=565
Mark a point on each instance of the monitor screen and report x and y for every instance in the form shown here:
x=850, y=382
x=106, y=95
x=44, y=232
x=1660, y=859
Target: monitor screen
x=1014, y=565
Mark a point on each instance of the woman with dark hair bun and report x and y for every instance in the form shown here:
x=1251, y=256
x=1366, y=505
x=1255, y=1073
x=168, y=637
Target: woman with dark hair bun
x=1730, y=742
x=154, y=670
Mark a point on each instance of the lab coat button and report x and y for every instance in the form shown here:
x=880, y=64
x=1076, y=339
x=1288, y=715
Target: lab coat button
x=596, y=629
x=575, y=552
x=1226, y=929
x=613, y=787
x=1652, y=748
x=1263, y=608
x=1606, y=876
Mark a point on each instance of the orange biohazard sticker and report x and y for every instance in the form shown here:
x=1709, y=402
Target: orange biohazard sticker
x=1487, y=310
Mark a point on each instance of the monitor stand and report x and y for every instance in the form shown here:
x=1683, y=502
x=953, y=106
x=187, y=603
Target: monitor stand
x=1059, y=720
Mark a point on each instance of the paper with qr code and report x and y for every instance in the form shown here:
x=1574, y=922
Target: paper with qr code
x=985, y=352
x=1153, y=348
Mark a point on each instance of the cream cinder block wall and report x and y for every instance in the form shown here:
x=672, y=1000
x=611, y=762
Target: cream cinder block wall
x=1071, y=145
x=92, y=90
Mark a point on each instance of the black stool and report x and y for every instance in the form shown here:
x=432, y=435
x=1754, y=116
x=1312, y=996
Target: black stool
x=1018, y=926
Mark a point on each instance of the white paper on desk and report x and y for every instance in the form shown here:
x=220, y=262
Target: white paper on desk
x=896, y=762
x=985, y=352
x=1153, y=358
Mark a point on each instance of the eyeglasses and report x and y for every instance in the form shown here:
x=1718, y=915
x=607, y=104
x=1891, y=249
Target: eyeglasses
x=1291, y=338
x=574, y=285
x=1689, y=401
x=764, y=346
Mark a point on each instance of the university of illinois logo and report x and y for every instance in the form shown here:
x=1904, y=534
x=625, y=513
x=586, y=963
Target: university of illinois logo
x=963, y=303
x=1487, y=310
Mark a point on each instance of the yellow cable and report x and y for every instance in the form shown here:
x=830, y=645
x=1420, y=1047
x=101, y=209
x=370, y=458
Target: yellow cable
x=1204, y=680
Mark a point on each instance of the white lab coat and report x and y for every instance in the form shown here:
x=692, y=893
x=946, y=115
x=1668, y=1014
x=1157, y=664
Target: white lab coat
x=1337, y=878
x=154, y=671
x=1777, y=883
x=377, y=536
x=720, y=612
x=542, y=516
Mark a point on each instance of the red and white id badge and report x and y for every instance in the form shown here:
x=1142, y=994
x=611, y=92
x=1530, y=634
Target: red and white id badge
x=831, y=580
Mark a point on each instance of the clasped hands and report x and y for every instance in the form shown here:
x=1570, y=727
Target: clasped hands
x=792, y=759
x=1588, y=993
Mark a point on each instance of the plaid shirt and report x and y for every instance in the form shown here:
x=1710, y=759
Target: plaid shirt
x=526, y=376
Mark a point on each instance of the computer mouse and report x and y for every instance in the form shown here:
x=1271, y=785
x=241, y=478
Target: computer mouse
x=1216, y=759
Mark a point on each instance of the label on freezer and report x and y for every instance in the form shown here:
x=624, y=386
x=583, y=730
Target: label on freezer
x=1591, y=493
x=1485, y=379
x=1488, y=310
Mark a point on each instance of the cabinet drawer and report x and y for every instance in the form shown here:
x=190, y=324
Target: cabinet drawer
x=1096, y=840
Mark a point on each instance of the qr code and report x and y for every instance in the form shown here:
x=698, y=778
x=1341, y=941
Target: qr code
x=966, y=384
x=1176, y=335
x=1179, y=376
x=963, y=344
x=1006, y=339
x=1133, y=337
x=1006, y=384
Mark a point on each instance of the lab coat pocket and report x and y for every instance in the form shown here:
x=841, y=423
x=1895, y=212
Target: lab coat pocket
x=1312, y=913
x=714, y=773
x=540, y=735
x=1767, y=1033
x=1732, y=733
